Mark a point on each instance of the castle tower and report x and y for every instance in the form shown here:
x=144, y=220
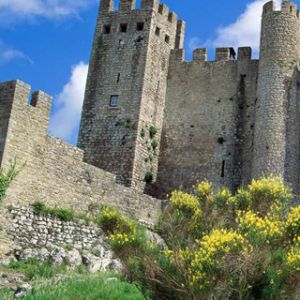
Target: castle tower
x=125, y=93
x=279, y=54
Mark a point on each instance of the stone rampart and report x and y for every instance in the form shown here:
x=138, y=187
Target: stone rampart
x=51, y=170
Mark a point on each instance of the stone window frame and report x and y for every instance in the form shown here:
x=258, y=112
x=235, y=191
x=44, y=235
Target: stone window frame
x=123, y=27
x=157, y=31
x=114, y=100
x=167, y=39
x=140, y=26
x=106, y=29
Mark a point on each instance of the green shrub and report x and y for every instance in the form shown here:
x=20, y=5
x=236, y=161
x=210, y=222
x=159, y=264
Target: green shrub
x=152, y=132
x=7, y=177
x=223, y=245
x=154, y=144
x=143, y=133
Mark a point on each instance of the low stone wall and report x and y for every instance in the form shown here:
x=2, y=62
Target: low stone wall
x=28, y=229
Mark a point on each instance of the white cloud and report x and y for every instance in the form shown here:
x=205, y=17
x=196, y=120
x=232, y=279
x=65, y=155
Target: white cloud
x=65, y=121
x=8, y=54
x=245, y=31
x=17, y=10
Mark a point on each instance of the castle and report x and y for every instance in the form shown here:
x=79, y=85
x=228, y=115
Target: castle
x=153, y=122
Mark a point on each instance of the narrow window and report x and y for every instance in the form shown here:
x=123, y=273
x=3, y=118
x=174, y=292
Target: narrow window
x=118, y=77
x=170, y=17
x=223, y=169
x=167, y=39
x=106, y=29
x=114, y=100
x=123, y=27
x=157, y=31
x=140, y=26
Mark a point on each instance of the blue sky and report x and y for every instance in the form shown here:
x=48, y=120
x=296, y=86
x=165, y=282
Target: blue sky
x=47, y=44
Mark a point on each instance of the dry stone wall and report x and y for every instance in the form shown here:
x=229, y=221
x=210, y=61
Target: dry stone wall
x=32, y=230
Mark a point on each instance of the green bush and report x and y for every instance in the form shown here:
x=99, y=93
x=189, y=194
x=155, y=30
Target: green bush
x=7, y=177
x=152, y=132
x=154, y=144
x=223, y=245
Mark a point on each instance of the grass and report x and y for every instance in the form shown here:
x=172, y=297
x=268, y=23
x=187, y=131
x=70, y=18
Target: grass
x=83, y=287
x=33, y=269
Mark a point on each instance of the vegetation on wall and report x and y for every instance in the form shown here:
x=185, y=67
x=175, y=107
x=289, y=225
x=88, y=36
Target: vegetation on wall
x=7, y=177
x=221, y=246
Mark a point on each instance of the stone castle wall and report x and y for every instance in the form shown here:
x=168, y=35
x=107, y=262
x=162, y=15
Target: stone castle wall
x=52, y=171
x=209, y=120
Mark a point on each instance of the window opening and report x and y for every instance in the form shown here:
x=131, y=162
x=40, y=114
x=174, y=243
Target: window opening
x=140, y=26
x=123, y=27
x=114, y=100
x=106, y=29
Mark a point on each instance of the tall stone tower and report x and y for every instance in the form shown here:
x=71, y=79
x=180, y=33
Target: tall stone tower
x=125, y=94
x=276, y=149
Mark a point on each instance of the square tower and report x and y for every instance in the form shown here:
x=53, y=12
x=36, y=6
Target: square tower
x=124, y=102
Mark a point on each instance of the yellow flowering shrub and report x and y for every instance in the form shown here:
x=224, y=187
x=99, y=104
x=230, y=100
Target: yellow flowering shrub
x=203, y=260
x=241, y=200
x=223, y=197
x=259, y=229
x=185, y=203
x=293, y=222
x=204, y=189
x=187, y=208
x=269, y=190
x=121, y=230
x=293, y=259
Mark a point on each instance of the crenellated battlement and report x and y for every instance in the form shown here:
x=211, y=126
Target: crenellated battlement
x=287, y=7
x=128, y=6
x=221, y=54
x=19, y=94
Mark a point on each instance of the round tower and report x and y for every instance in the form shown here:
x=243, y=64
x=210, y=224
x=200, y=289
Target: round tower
x=279, y=54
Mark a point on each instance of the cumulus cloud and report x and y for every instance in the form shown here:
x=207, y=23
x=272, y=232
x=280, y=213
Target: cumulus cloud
x=8, y=54
x=66, y=118
x=245, y=31
x=29, y=9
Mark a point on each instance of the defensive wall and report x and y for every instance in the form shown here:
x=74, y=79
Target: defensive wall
x=209, y=119
x=51, y=170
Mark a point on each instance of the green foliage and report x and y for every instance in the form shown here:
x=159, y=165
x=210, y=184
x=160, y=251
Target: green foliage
x=223, y=246
x=143, y=133
x=148, y=177
x=33, y=269
x=152, y=132
x=84, y=287
x=60, y=213
x=7, y=177
x=121, y=230
x=154, y=144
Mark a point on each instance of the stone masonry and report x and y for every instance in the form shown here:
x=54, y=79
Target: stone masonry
x=153, y=122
